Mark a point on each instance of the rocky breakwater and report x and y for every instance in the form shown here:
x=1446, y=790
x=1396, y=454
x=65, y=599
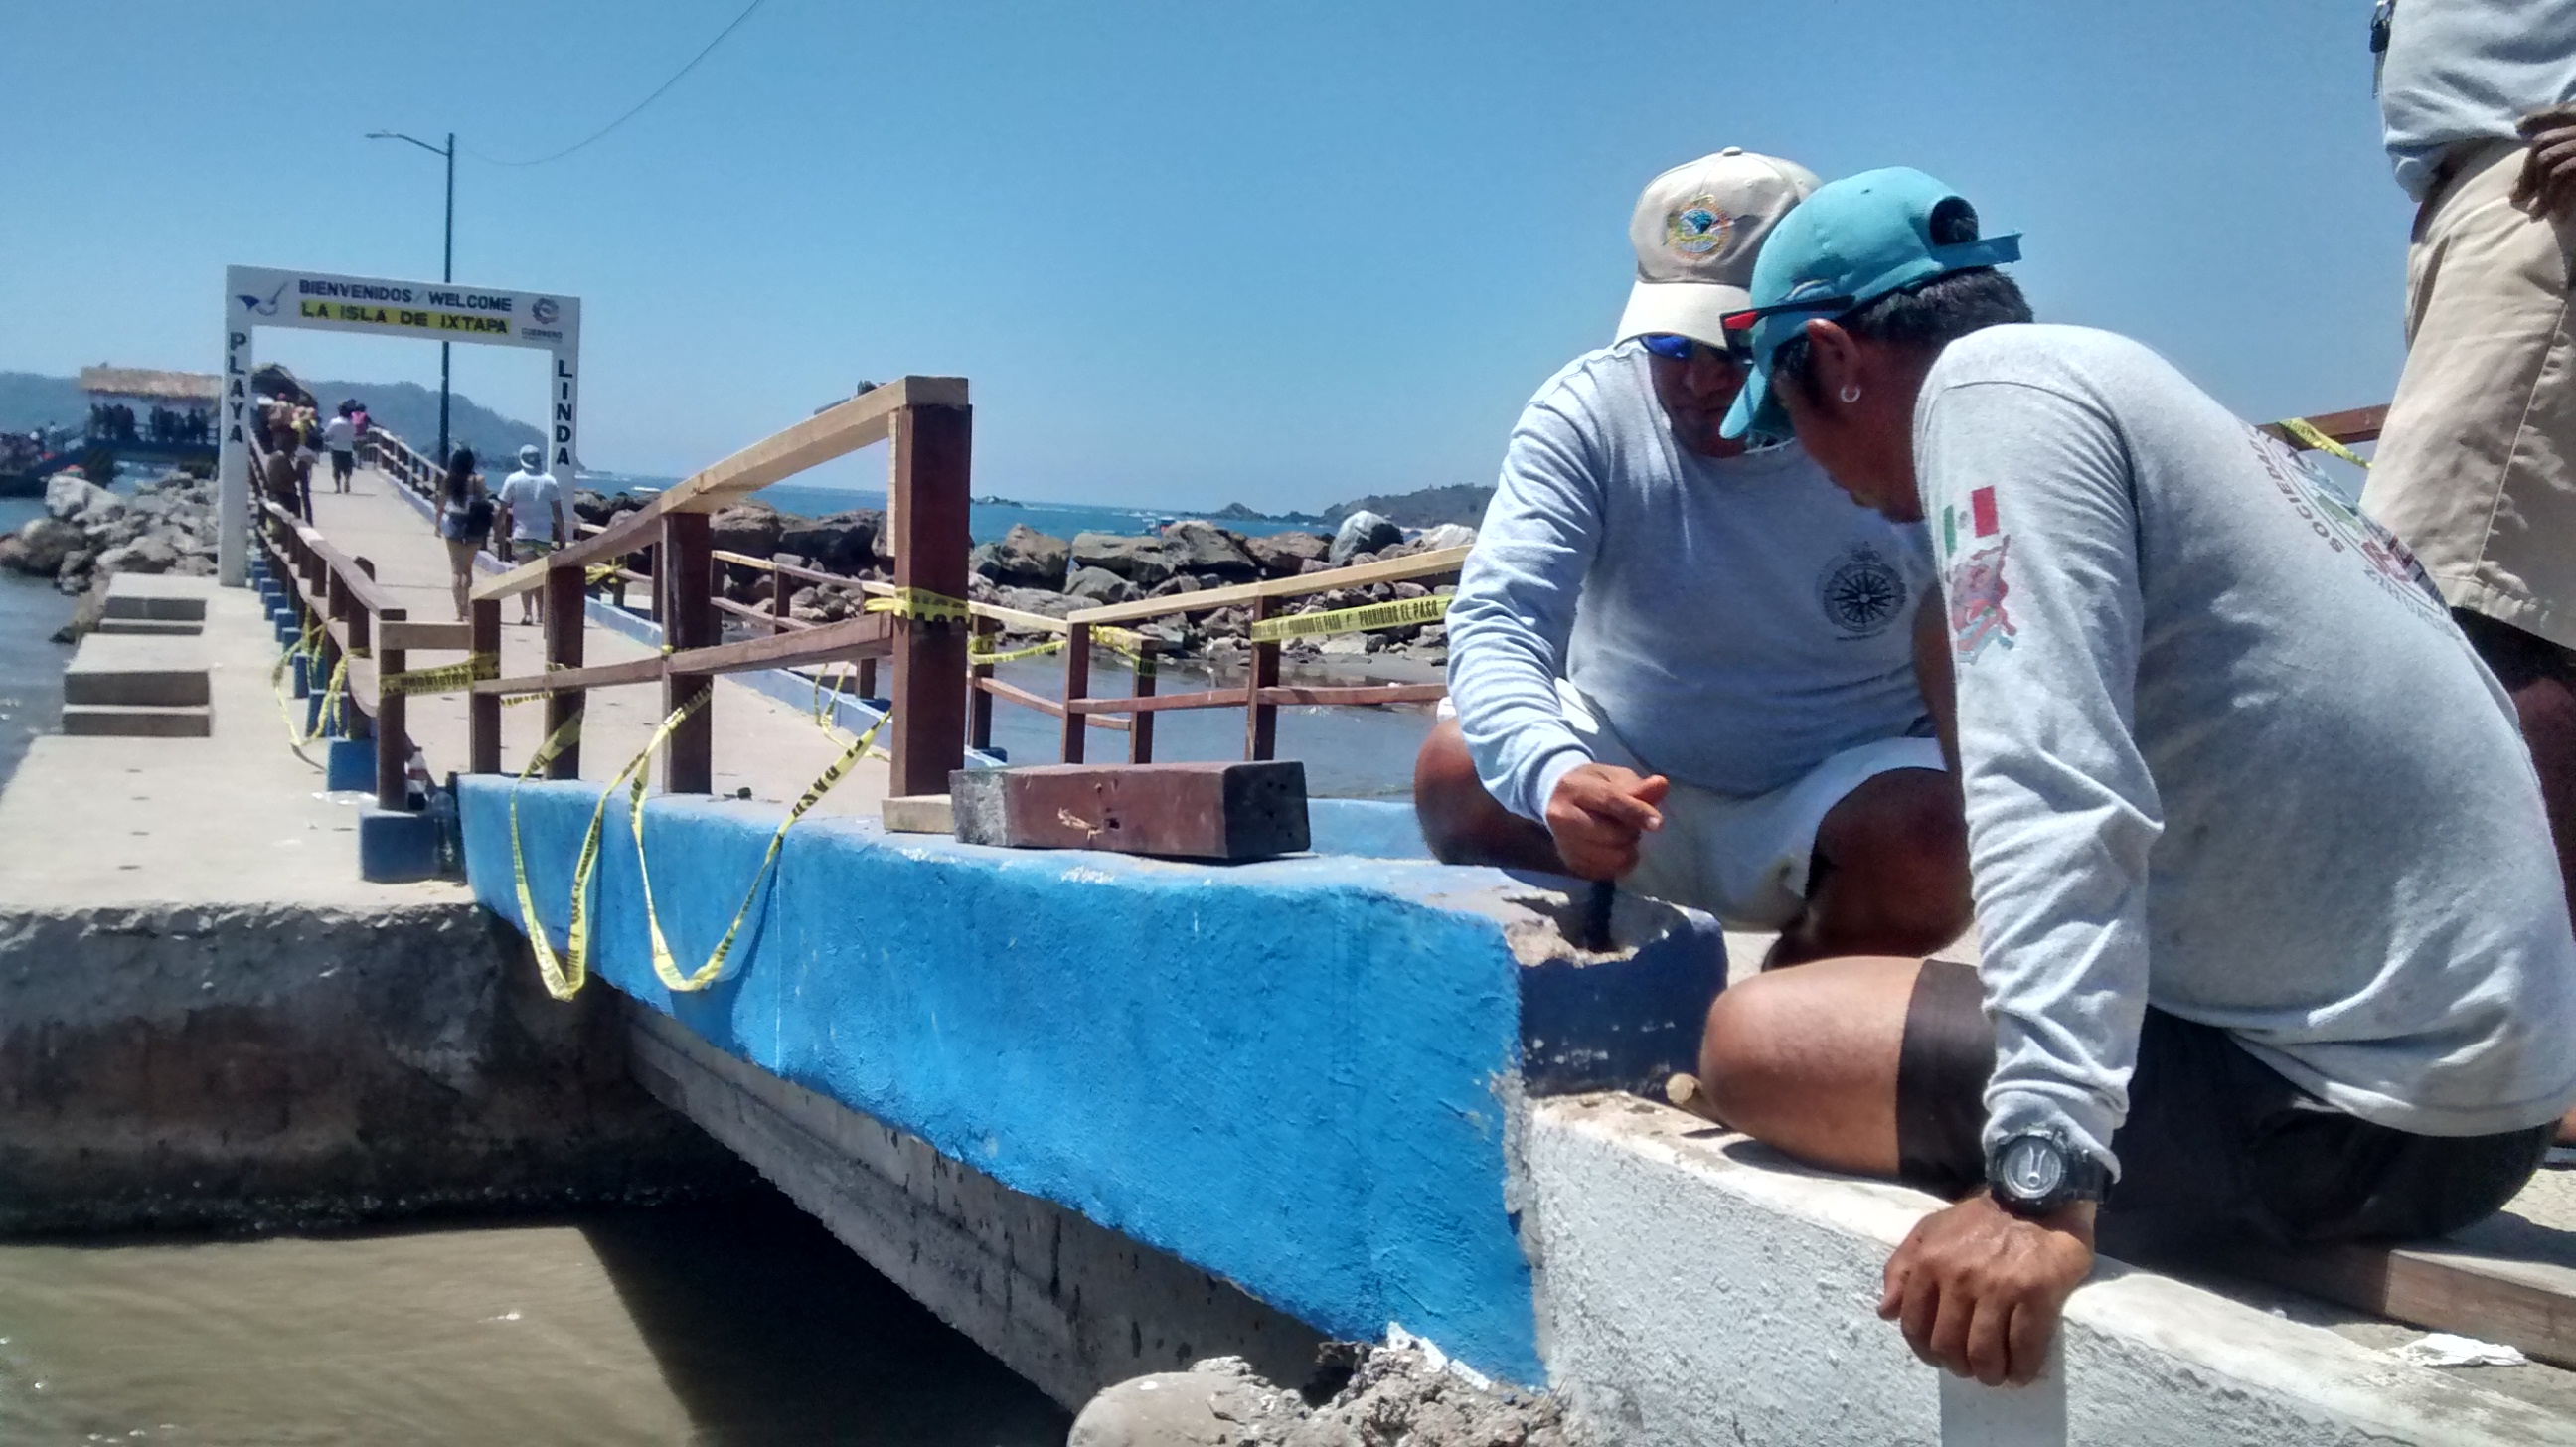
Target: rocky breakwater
x=1038, y=573
x=89, y=535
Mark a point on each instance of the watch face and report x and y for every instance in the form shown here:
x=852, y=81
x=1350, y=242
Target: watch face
x=2033, y=1169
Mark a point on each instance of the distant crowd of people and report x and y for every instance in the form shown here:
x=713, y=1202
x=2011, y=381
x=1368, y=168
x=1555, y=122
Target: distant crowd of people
x=294, y=437
x=168, y=426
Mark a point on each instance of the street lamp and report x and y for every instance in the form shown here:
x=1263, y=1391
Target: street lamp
x=446, y=266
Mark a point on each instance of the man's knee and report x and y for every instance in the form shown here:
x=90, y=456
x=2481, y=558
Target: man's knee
x=1443, y=776
x=1905, y=834
x=1746, y=1065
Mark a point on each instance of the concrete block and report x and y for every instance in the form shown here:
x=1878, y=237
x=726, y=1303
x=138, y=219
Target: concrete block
x=919, y=814
x=349, y=764
x=299, y=674
x=396, y=846
x=160, y=672
x=157, y=595
x=1227, y=811
x=138, y=721
x=154, y=627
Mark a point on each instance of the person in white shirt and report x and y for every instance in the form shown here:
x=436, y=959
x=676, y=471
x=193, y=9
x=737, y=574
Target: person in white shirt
x=532, y=511
x=340, y=439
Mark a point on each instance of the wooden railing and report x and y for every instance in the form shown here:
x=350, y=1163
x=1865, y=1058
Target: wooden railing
x=929, y=424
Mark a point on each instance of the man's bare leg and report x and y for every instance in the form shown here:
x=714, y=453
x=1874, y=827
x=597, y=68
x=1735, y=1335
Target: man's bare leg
x=1805, y=1060
x=1461, y=822
x=1890, y=875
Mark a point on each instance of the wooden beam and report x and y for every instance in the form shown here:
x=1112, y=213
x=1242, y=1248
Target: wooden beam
x=561, y=680
x=1077, y=684
x=868, y=635
x=483, y=710
x=1191, y=811
x=932, y=474
x=566, y=620
x=1393, y=570
x=393, y=737
x=862, y=420
x=2361, y=424
x=1160, y=703
x=1261, y=670
x=2490, y=1282
x=1358, y=694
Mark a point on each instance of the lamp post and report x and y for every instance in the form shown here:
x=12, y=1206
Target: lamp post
x=447, y=262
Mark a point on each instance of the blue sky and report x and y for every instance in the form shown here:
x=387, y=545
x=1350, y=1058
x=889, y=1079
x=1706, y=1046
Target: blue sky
x=1187, y=253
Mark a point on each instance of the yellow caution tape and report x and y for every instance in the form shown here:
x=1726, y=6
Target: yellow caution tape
x=449, y=678
x=1354, y=620
x=577, y=922
x=2308, y=435
x=666, y=968
x=602, y=573
x=563, y=978
x=920, y=605
x=988, y=660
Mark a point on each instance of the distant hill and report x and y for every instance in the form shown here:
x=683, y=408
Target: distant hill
x=1429, y=507
x=30, y=400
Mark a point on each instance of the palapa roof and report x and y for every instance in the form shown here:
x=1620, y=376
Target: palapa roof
x=145, y=382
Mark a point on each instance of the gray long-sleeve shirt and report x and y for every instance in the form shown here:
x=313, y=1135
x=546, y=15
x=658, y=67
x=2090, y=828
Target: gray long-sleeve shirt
x=2464, y=70
x=2225, y=753
x=1739, y=621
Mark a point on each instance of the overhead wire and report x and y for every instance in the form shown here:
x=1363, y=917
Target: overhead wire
x=638, y=107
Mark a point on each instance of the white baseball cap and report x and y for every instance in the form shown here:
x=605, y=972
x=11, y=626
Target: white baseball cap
x=1696, y=229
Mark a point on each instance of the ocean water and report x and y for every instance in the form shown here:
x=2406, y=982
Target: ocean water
x=986, y=521
x=31, y=663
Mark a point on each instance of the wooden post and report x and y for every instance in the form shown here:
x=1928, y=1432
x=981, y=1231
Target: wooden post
x=688, y=621
x=979, y=704
x=1260, y=720
x=1140, y=724
x=393, y=734
x=868, y=679
x=653, y=578
x=564, y=622
x=777, y=598
x=932, y=472
x=1077, y=684
x=483, y=710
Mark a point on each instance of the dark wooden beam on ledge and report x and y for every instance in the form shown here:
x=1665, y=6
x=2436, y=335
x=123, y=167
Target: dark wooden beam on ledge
x=927, y=502
x=2361, y=424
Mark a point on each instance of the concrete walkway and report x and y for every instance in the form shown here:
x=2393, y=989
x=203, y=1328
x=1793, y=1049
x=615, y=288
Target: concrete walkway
x=239, y=819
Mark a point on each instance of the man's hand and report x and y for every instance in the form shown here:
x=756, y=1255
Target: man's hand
x=2547, y=185
x=1597, y=814
x=1978, y=1289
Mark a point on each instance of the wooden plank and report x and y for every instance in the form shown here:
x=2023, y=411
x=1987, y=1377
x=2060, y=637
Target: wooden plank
x=1260, y=720
x=998, y=689
x=1225, y=811
x=1161, y=702
x=402, y=633
x=566, y=621
x=2493, y=1281
x=393, y=736
x=483, y=710
x=1393, y=570
x=1021, y=619
x=847, y=427
x=1358, y=694
x=2361, y=424
x=927, y=505
x=1077, y=684
x=1140, y=728
x=560, y=680
x=866, y=635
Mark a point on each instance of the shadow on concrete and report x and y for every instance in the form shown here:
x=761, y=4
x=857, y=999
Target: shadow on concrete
x=770, y=1331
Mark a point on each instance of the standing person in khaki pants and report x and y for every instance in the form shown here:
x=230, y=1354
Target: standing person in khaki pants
x=2477, y=467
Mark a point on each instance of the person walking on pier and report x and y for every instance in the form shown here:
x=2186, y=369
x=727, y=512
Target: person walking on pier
x=2274, y=947
x=532, y=506
x=464, y=521
x=1687, y=664
x=340, y=436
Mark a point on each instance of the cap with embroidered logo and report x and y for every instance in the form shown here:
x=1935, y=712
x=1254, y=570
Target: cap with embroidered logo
x=1850, y=243
x=1696, y=230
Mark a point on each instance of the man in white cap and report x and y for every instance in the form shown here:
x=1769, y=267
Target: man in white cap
x=532, y=510
x=1686, y=664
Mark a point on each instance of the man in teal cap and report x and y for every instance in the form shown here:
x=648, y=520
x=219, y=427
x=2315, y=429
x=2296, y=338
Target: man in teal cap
x=2274, y=947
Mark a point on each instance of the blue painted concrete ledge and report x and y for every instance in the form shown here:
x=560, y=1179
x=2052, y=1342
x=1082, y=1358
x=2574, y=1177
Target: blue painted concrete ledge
x=1302, y=1075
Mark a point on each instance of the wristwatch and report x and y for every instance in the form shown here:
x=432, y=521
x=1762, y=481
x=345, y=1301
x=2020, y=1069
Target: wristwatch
x=2037, y=1172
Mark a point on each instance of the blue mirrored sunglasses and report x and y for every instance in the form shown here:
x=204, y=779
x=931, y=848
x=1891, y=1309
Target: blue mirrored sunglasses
x=1738, y=350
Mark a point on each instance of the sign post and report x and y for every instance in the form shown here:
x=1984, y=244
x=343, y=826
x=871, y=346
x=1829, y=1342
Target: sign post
x=259, y=296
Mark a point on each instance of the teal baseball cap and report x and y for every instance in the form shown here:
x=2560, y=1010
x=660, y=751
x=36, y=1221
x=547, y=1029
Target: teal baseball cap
x=1848, y=244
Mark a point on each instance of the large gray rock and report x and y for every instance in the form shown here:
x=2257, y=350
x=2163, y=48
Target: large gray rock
x=750, y=527
x=1092, y=586
x=1200, y=548
x=44, y=542
x=1036, y=600
x=144, y=555
x=1141, y=561
x=1283, y=555
x=1447, y=535
x=1025, y=558
x=1362, y=532
x=68, y=494
x=843, y=542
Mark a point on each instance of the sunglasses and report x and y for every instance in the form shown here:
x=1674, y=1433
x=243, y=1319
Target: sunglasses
x=1738, y=349
x=1743, y=321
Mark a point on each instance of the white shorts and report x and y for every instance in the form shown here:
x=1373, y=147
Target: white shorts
x=1743, y=860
